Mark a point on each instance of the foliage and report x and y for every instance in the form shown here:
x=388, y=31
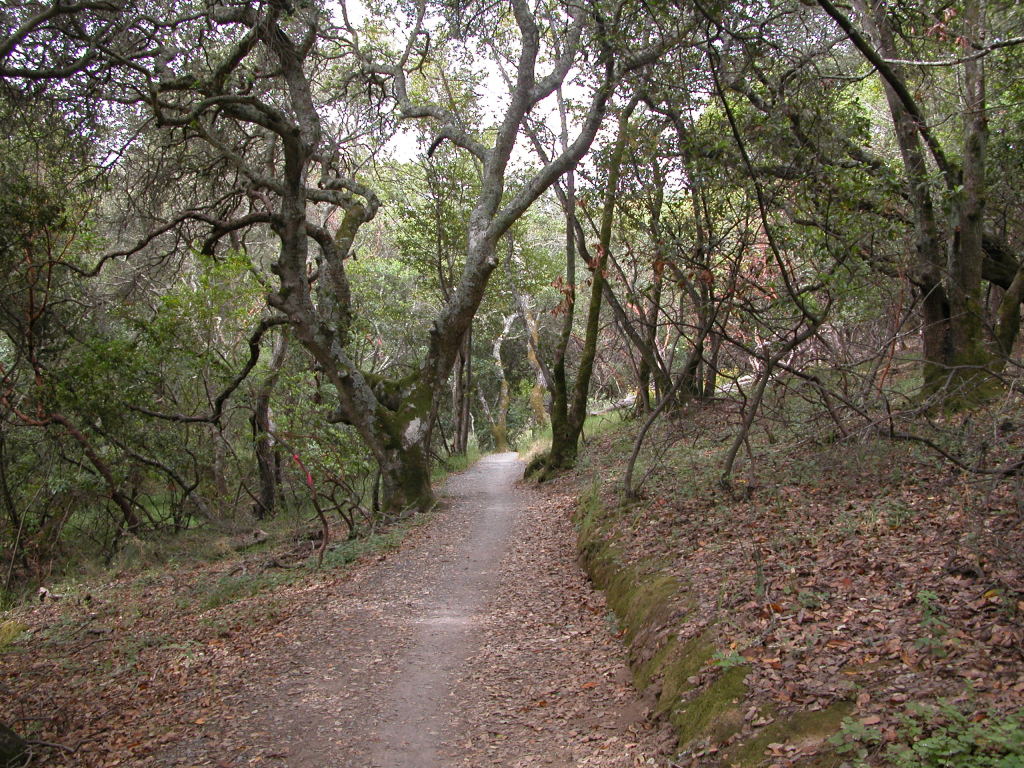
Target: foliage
x=763, y=228
x=939, y=736
x=944, y=736
x=259, y=261
x=727, y=661
x=856, y=740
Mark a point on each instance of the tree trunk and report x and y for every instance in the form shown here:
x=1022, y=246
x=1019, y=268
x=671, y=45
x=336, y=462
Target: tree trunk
x=459, y=396
x=268, y=462
x=948, y=279
x=650, y=336
x=928, y=271
x=1008, y=315
x=568, y=417
x=563, y=445
x=466, y=418
x=966, y=251
x=5, y=488
x=405, y=479
x=710, y=386
x=499, y=426
x=652, y=309
x=563, y=448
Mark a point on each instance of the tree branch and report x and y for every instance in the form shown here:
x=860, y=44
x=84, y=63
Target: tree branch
x=218, y=404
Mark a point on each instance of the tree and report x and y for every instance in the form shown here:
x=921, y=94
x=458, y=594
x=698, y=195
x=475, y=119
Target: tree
x=569, y=405
x=247, y=102
x=951, y=253
x=40, y=234
x=432, y=204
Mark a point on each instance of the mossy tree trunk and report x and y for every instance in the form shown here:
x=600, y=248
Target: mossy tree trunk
x=569, y=409
x=461, y=393
x=405, y=479
x=498, y=416
x=264, y=443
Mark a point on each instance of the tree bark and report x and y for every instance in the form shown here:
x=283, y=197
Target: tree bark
x=949, y=269
x=499, y=423
x=459, y=395
x=405, y=477
x=567, y=416
x=5, y=488
x=967, y=210
x=465, y=413
x=264, y=443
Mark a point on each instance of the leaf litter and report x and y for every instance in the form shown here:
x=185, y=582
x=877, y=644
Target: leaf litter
x=867, y=572
x=315, y=670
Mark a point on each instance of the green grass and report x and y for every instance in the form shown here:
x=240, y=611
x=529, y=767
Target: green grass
x=602, y=423
x=10, y=631
x=349, y=551
x=538, y=442
x=455, y=463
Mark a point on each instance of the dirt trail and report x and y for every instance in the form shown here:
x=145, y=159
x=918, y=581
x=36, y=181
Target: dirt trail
x=441, y=630
x=478, y=643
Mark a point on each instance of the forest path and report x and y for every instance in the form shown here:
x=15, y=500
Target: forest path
x=478, y=643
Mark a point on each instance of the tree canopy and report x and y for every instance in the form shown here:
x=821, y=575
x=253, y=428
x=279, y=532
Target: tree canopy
x=271, y=255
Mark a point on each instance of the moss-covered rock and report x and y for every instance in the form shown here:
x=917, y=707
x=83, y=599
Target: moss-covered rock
x=646, y=665
x=677, y=669
x=715, y=713
x=641, y=594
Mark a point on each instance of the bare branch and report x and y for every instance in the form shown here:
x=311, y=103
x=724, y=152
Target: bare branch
x=980, y=53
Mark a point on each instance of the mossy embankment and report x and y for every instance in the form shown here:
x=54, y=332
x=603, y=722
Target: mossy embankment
x=690, y=684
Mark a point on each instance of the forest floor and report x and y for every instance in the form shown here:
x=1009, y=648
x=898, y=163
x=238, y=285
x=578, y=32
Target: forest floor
x=863, y=578
x=863, y=582
x=478, y=642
